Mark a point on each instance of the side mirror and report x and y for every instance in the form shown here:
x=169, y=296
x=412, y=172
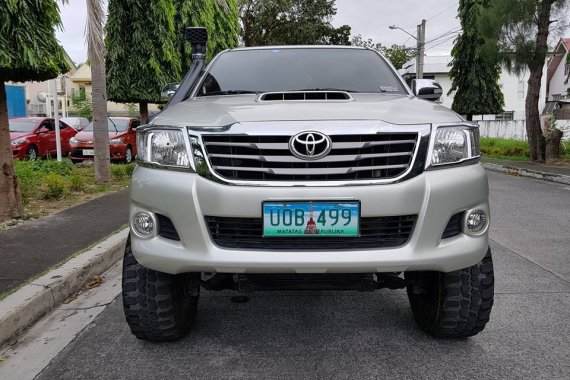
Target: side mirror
x=168, y=91
x=427, y=89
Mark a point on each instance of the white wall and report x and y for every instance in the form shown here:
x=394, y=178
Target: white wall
x=557, y=85
x=516, y=129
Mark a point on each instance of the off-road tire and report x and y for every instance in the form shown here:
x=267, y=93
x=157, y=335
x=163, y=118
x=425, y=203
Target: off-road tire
x=455, y=304
x=158, y=306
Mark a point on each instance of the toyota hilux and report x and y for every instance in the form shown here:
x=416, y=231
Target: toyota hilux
x=306, y=167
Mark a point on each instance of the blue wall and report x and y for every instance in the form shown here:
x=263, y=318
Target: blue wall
x=16, y=96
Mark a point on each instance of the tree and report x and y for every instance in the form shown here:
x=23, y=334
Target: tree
x=141, y=51
x=474, y=78
x=96, y=53
x=290, y=22
x=220, y=17
x=397, y=54
x=28, y=51
x=516, y=34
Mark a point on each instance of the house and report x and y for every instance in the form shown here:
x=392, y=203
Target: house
x=81, y=83
x=514, y=87
x=558, y=73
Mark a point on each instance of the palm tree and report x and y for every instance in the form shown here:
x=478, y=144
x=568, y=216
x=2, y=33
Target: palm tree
x=96, y=54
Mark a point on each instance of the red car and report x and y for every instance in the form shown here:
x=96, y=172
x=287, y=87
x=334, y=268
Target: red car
x=34, y=137
x=122, y=140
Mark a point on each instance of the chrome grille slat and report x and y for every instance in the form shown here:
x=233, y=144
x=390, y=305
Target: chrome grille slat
x=352, y=157
x=329, y=158
x=309, y=171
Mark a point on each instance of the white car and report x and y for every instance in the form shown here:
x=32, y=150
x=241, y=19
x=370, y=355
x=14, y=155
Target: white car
x=307, y=168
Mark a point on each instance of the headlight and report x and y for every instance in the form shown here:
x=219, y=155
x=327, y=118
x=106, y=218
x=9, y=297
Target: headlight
x=116, y=141
x=18, y=141
x=455, y=144
x=73, y=141
x=165, y=147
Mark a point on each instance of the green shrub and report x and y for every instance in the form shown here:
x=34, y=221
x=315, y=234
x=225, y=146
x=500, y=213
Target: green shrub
x=118, y=171
x=495, y=147
x=63, y=168
x=76, y=183
x=55, y=186
x=129, y=169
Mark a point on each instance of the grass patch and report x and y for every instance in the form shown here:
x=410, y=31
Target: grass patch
x=494, y=147
x=48, y=185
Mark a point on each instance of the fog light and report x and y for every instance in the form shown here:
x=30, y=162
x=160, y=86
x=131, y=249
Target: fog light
x=144, y=225
x=476, y=221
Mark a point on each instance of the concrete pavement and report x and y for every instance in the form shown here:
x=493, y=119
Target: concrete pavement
x=30, y=249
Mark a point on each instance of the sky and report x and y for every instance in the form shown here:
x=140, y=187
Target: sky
x=369, y=18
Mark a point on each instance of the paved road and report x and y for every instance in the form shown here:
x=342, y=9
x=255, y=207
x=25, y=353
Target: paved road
x=91, y=222
x=352, y=335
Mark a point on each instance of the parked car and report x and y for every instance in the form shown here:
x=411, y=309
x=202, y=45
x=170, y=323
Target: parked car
x=307, y=168
x=78, y=123
x=34, y=137
x=122, y=141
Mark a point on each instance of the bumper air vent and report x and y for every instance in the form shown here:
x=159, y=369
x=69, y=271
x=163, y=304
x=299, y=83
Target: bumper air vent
x=453, y=227
x=247, y=233
x=166, y=228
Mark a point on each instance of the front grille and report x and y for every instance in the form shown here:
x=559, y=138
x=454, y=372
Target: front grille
x=352, y=157
x=247, y=233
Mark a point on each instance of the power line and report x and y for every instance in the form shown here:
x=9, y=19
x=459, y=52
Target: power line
x=454, y=30
x=442, y=42
x=443, y=11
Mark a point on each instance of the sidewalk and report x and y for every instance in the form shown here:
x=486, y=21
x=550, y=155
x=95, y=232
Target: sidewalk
x=29, y=250
x=551, y=173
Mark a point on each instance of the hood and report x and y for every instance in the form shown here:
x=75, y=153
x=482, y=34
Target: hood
x=88, y=136
x=226, y=110
x=15, y=135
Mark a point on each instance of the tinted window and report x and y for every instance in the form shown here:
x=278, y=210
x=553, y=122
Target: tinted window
x=267, y=70
x=15, y=125
x=114, y=125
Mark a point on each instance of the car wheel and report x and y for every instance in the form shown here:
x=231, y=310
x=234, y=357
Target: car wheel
x=158, y=306
x=32, y=153
x=455, y=304
x=128, y=155
x=77, y=161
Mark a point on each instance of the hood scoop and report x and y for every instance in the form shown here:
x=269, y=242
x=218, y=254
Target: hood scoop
x=304, y=96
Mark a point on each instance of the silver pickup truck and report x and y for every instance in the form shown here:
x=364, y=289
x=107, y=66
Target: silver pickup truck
x=306, y=167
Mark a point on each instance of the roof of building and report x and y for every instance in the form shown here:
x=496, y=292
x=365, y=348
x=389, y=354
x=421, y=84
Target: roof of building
x=432, y=65
x=82, y=74
x=560, y=51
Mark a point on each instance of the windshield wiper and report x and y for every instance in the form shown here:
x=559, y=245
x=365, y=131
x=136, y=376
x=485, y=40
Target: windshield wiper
x=114, y=125
x=230, y=92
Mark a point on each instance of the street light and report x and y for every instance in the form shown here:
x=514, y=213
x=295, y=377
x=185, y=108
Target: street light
x=421, y=38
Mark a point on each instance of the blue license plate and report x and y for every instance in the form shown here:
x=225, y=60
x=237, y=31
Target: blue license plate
x=311, y=219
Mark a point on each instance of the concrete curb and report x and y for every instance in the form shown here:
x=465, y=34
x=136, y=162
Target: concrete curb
x=22, y=308
x=559, y=178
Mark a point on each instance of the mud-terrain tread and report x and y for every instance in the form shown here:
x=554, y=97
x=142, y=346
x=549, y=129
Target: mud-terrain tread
x=154, y=310
x=465, y=302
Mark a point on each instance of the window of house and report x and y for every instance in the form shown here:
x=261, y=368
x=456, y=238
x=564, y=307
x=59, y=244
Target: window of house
x=520, y=92
x=505, y=116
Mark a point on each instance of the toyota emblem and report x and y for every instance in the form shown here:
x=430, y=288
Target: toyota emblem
x=310, y=145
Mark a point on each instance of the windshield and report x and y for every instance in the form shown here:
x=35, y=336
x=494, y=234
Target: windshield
x=21, y=125
x=120, y=124
x=292, y=69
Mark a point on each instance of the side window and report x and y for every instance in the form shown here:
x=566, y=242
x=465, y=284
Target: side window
x=135, y=124
x=46, y=126
x=62, y=125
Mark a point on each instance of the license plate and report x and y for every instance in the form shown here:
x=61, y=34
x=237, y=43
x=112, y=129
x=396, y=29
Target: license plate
x=88, y=152
x=311, y=219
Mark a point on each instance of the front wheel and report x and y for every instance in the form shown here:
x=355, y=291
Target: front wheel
x=455, y=304
x=158, y=306
x=32, y=153
x=128, y=155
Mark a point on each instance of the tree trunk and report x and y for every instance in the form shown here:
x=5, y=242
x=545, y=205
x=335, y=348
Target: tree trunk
x=143, y=107
x=10, y=199
x=533, y=127
x=469, y=117
x=553, y=139
x=100, y=122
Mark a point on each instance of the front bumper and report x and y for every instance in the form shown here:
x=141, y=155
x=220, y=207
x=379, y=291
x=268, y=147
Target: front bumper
x=186, y=198
x=117, y=152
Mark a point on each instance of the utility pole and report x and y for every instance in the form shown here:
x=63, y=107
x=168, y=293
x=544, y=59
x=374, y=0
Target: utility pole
x=421, y=50
x=56, y=118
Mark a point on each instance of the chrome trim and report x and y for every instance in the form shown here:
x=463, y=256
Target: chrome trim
x=335, y=127
x=334, y=158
